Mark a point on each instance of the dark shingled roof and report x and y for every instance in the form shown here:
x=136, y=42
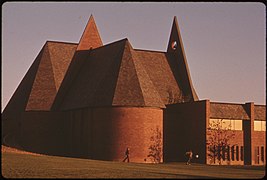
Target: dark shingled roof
x=91, y=78
x=260, y=112
x=118, y=75
x=159, y=71
x=68, y=76
x=228, y=111
x=54, y=62
x=42, y=81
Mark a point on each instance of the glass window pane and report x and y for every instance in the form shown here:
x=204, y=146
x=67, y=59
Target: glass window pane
x=214, y=123
x=238, y=124
x=233, y=153
x=226, y=124
x=262, y=153
x=263, y=125
x=237, y=153
x=257, y=125
x=242, y=153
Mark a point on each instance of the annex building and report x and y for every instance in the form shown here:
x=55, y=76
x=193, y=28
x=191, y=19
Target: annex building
x=92, y=100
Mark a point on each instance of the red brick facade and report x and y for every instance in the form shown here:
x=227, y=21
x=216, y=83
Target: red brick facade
x=192, y=119
x=97, y=133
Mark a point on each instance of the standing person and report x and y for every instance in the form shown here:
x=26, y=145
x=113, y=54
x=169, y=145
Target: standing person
x=189, y=155
x=127, y=152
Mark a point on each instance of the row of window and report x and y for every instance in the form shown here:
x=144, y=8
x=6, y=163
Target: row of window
x=227, y=153
x=236, y=153
x=231, y=124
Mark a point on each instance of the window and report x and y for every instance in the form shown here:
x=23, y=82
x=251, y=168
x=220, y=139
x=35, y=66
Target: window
x=262, y=153
x=237, y=153
x=223, y=152
x=228, y=153
x=259, y=125
x=242, y=153
x=230, y=124
x=226, y=124
x=237, y=124
x=233, y=153
x=263, y=125
x=257, y=155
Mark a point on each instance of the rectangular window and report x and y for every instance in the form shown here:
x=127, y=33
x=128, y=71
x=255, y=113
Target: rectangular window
x=237, y=153
x=238, y=125
x=263, y=125
x=242, y=153
x=223, y=153
x=228, y=153
x=259, y=125
x=262, y=153
x=233, y=153
x=226, y=124
x=257, y=155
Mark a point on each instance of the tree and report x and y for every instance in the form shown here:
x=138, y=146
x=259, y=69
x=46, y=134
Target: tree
x=155, y=149
x=219, y=135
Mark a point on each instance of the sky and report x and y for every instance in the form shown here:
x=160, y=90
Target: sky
x=224, y=42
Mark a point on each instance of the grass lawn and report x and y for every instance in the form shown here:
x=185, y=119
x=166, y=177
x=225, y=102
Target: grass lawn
x=16, y=165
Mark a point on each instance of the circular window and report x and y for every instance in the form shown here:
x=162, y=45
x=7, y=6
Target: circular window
x=174, y=45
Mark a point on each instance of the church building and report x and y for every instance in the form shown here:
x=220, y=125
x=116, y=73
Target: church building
x=93, y=100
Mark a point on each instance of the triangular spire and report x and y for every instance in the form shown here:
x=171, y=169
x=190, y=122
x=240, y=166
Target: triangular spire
x=90, y=38
x=176, y=51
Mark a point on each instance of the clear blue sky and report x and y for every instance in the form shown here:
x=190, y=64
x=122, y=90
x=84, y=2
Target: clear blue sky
x=224, y=42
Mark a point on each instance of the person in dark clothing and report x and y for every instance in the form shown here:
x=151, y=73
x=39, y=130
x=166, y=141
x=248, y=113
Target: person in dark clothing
x=189, y=155
x=127, y=152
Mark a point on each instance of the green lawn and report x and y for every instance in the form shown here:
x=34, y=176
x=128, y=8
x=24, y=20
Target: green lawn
x=31, y=166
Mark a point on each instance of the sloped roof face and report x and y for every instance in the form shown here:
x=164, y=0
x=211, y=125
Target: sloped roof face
x=94, y=83
x=51, y=71
x=260, y=112
x=159, y=71
x=228, y=111
x=110, y=76
x=19, y=99
x=118, y=75
x=134, y=86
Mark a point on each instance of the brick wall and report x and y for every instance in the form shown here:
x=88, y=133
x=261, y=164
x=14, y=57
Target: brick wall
x=116, y=128
x=44, y=132
x=184, y=129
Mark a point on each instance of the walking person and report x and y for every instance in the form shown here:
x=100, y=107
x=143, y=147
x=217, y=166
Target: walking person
x=189, y=155
x=127, y=152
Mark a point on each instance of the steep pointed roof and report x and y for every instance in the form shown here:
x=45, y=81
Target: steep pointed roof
x=32, y=93
x=134, y=86
x=53, y=64
x=178, y=62
x=108, y=76
x=69, y=76
x=19, y=99
x=90, y=37
x=91, y=78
